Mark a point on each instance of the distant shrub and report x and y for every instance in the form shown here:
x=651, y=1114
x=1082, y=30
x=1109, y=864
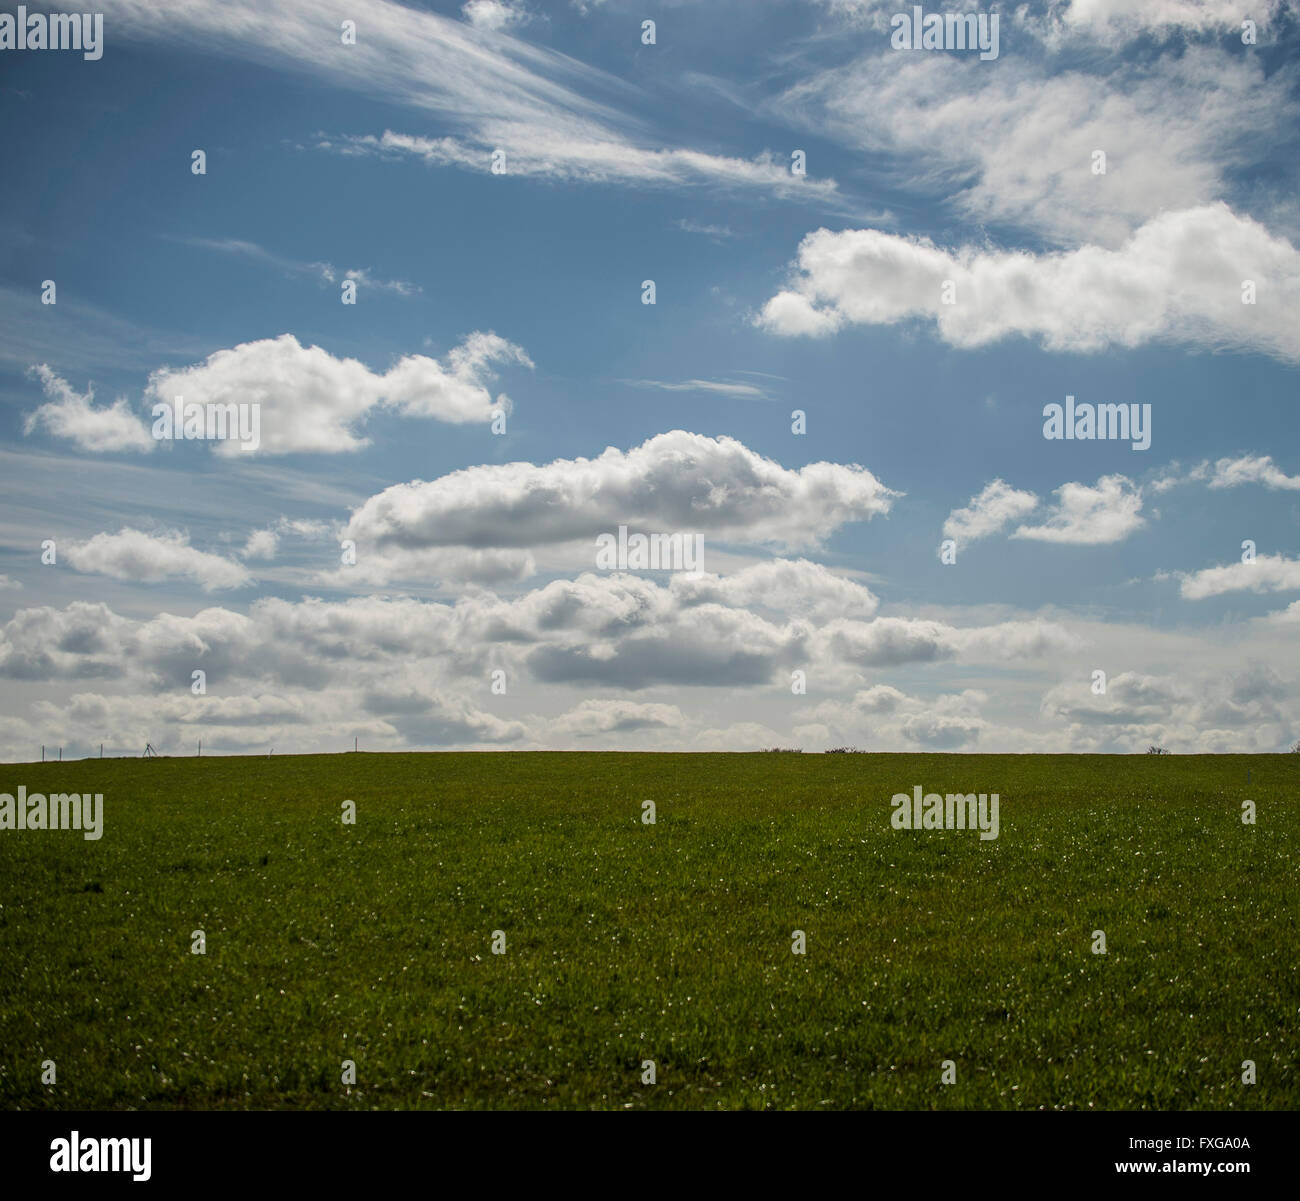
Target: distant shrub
x=1295, y=747
x=1157, y=750
x=845, y=750
x=783, y=750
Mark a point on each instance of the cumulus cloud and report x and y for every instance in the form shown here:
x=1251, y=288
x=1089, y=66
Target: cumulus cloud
x=613, y=630
x=1227, y=472
x=1266, y=573
x=437, y=717
x=893, y=641
x=150, y=558
x=1252, y=469
x=1249, y=709
x=312, y=402
x=73, y=415
x=1177, y=279
x=261, y=544
x=617, y=716
x=988, y=513
x=673, y=482
x=309, y=400
x=1090, y=516
x=324, y=719
x=795, y=586
x=884, y=715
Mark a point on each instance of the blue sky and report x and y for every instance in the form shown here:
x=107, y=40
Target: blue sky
x=626, y=162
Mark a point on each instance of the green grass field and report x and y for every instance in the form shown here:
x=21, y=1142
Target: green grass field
x=668, y=942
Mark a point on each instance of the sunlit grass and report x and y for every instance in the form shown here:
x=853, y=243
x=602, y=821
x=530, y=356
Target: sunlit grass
x=669, y=942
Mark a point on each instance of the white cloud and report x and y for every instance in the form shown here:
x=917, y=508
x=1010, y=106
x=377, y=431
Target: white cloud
x=324, y=273
x=1090, y=516
x=149, y=558
x=674, y=482
x=1252, y=469
x=312, y=402
x=893, y=641
x=615, y=631
x=261, y=544
x=1267, y=573
x=494, y=15
x=556, y=155
x=745, y=391
x=72, y=415
x=1013, y=142
x=492, y=91
x=994, y=508
x=1109, y=21
x=1121, y=20
x=716, y=232
x=1247, y=708
x=617, y=716
x=794, y=586
x=884, y=716
x=1178, y=278
x=741, y=736
x=1227, y=473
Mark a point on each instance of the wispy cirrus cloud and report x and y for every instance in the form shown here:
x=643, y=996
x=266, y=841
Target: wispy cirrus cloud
x=550, y=153
x=1015, y=146
x=721, y=387
x=322, y=272
x=550, y=113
